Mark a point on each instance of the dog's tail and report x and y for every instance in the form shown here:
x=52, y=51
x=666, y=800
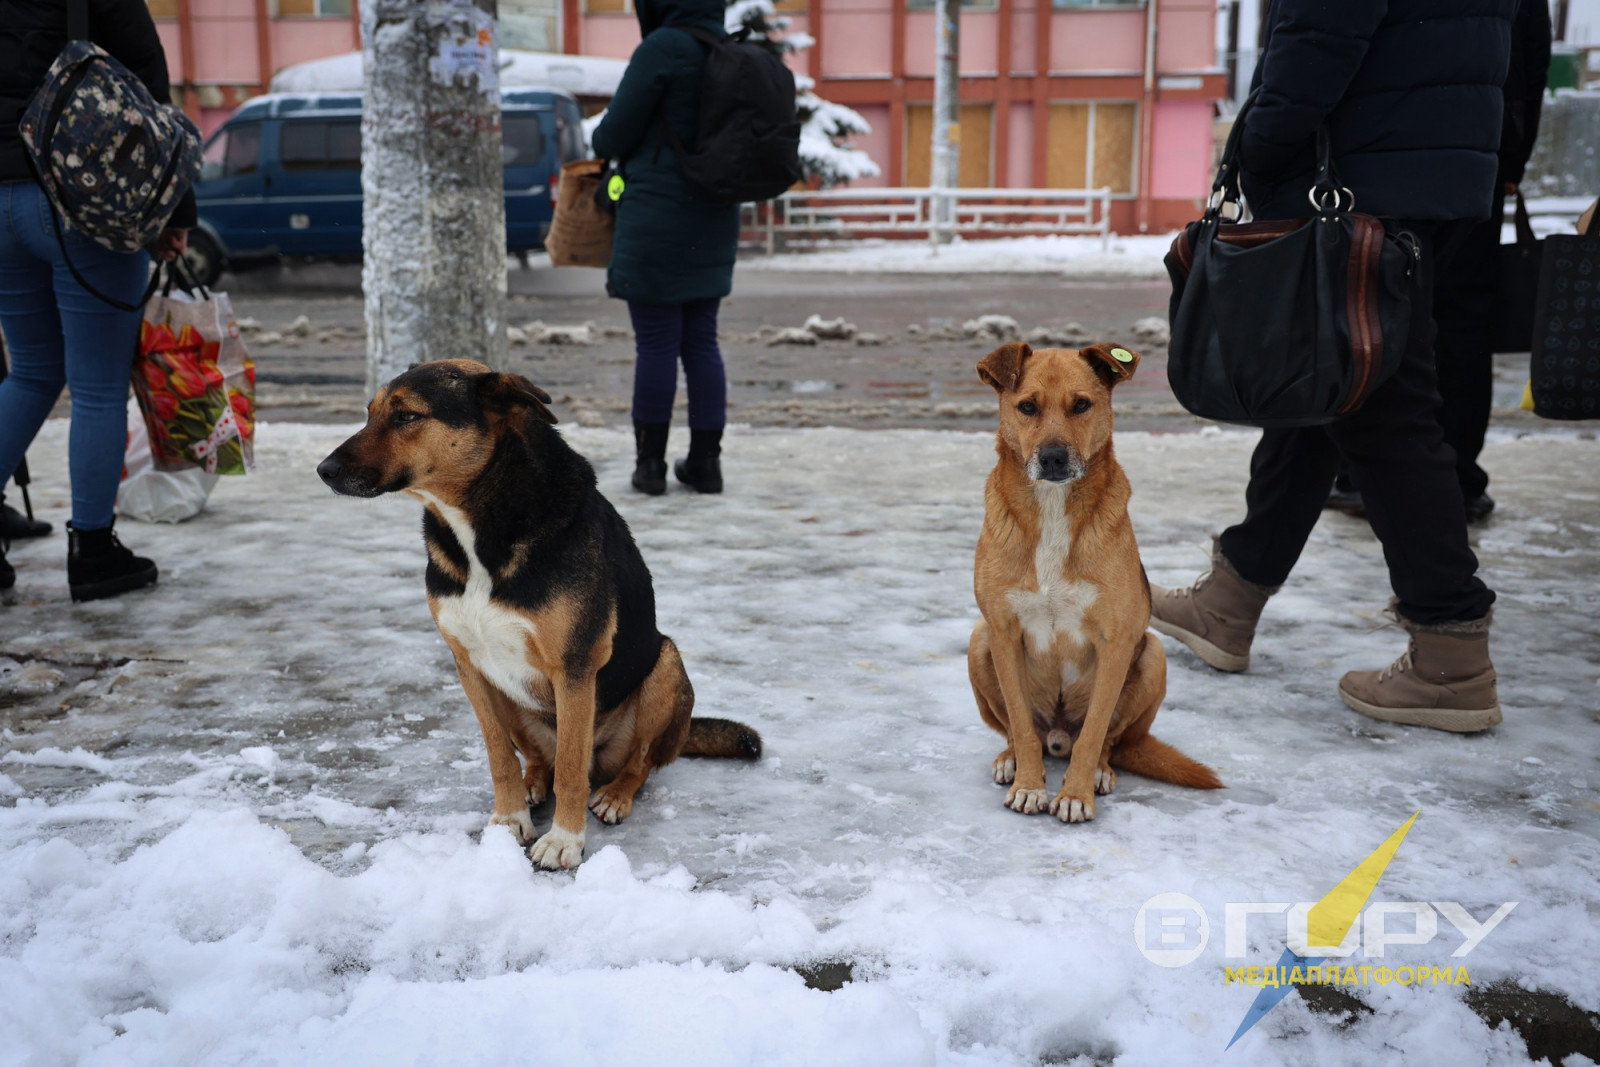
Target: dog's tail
x=722, y=738
x=1159, y=760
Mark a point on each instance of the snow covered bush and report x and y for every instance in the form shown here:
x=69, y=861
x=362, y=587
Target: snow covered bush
x=825, y=127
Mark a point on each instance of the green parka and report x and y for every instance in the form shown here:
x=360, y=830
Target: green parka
x=672, y=245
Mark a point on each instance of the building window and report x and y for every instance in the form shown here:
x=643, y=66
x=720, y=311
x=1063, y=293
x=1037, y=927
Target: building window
x=608, y=7
x=974, y=126
x=1092, y=146
x=531, y=25
x=324, y=9
x=162, y=9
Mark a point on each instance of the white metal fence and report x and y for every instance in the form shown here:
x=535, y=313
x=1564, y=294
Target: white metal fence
x=803, y=218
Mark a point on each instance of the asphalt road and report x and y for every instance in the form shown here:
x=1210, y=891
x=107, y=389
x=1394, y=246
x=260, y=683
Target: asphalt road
x=909, y=380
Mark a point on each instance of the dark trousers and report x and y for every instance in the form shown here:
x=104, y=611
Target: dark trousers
x=1463, y=303
x=664, y=336
x=1396, y=455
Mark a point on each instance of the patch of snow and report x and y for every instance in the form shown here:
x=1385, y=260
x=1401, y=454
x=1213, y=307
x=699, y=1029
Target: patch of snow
x=829, y=329
x=1073, y=257
x=791, y=335
x=991, y=328
x=1152, y=330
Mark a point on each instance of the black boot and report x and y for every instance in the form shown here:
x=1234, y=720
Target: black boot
x=702, y=470
x=98, y=566
x=15, y=525
x=8, y=576
x=650, y=466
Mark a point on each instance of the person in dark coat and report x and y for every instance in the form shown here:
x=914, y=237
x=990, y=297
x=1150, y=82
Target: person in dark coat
x=1466, y=289
x=57, y=332
x=1410, y=93
x=672, y=256
x=1467, y=286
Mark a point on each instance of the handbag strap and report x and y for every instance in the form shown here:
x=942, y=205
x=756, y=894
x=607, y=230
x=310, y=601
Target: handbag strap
x=77, y=20
x=1327, y=194
x=1525, y=238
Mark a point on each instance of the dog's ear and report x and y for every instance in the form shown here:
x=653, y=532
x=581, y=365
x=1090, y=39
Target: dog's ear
x=1002, y=368
x=503, y=393
x=1113, y=363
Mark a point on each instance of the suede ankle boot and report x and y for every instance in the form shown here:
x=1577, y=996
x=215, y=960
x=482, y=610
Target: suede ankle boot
x=650, y=464
x=99, y=566
x=1216, y=616
x=1444, y=681
x=701, y=470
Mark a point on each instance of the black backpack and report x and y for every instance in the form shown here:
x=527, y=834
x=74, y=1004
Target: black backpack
x=747, y=142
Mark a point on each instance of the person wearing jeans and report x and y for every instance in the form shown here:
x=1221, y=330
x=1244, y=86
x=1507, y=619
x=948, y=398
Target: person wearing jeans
x=57, y=333
x=673, y=250
x=1409, y=91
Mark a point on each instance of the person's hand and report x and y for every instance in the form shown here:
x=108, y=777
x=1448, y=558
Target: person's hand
x=1511, y=188
x=172, y=243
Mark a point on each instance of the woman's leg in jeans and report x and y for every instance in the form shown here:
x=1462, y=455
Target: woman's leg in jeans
x=702, y=366
x=657, y=338
x=33, y=340
x=100, y=344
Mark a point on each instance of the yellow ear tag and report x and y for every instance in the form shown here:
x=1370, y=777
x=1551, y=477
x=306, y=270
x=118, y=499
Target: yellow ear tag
x=1122, y=355
x=614, y=187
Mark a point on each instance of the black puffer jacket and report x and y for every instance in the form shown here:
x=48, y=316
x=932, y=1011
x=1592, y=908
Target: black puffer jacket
x=33, y=33
x=1410, y=90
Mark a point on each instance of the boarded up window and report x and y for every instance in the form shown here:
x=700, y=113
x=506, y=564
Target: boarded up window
x=1091, y=146
x=163, y=9
x=975, y=126
x=608, y=7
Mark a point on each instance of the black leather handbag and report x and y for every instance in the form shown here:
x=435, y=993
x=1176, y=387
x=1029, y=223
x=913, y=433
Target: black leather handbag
x=1286, y=323
x=1565, y=364
x=1517, y=286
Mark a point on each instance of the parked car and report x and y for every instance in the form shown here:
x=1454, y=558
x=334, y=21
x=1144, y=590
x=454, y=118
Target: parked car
x=282, y=177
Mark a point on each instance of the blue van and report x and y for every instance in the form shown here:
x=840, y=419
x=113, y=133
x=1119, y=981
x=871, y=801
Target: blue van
x=282, y=177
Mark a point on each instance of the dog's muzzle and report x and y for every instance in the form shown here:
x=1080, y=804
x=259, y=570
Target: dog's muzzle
x=345, y=480
x=1054, y=463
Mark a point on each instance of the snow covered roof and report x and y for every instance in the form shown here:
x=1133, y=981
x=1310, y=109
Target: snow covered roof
x=579, y=75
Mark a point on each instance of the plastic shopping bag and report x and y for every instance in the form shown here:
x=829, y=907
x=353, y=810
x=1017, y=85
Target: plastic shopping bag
x=195, y=382
x=149, y=495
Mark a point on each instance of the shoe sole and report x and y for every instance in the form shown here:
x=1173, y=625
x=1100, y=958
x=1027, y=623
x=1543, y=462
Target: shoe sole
x=677, y=473
x=1219, y=658
x=126, y=583
x=1452, y=720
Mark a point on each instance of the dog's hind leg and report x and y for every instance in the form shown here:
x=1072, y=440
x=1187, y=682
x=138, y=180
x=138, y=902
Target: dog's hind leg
x=662, y=706
x=991, y=704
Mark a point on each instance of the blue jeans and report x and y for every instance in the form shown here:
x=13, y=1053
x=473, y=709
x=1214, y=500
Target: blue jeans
x=664, y=334
x=57, y=334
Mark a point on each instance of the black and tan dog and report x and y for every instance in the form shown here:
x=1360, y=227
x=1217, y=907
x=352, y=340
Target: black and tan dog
x=1062, y=650
x=535, y=582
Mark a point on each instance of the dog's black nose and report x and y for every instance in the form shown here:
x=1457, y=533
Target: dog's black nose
x=1055, y=463
x=331, y=470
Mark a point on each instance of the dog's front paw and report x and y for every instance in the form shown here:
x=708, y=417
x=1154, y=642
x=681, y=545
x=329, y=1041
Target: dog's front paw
x=557, y=850
x=521, y=824
x=1069, y=808
x=1105, y=781
x=1026, y=801
x=610, y=806
x=1005, y=769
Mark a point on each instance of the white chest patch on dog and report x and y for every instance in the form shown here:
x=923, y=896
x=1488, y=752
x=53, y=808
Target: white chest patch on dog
x=1057, y=606
x=495, y=637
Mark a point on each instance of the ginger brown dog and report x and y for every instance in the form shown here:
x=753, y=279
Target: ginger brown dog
x=1062, y=650
x=536, y=584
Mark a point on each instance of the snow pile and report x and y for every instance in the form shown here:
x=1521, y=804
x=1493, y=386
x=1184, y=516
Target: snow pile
x=830, y=329
x=1069, y=335
x=247, y=823
x=1071, y=257
x=1152, y=330
x=538, y=333
x=991, y=328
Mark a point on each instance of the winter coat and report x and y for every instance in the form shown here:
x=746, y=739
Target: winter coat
x=1524, y=91
x=1410, y=91
x=672, y=245
x=33, y=33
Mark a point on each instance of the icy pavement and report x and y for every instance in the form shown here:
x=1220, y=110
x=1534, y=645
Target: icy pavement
x=241, y=816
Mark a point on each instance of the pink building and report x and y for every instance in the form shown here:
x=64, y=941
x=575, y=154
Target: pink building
x=1054, y=93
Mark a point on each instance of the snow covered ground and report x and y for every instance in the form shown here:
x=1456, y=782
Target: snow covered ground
x=1072, y=257
x=241, y=816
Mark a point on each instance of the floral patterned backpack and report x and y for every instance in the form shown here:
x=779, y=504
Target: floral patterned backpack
x=113, y=162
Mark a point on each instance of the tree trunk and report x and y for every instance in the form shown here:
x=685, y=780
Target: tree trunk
x=433, y=214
